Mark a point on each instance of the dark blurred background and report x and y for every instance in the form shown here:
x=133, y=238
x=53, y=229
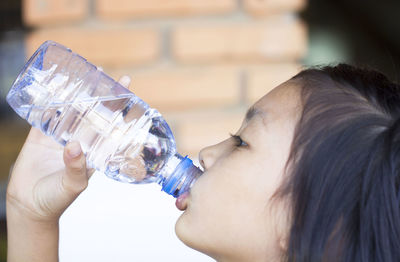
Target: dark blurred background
x=361, y=32
x=12, y=129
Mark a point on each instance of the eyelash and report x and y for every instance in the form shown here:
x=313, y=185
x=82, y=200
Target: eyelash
x=238, y=141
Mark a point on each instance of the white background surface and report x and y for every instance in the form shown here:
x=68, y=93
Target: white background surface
x=113, y=221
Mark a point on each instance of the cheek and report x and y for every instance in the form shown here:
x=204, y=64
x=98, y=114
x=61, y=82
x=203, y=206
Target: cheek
x=210, y=201
x=222, y=189
x=226, y=210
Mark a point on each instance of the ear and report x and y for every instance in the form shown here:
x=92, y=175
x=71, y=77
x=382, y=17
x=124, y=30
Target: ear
x=283, y=243
x=282, y=224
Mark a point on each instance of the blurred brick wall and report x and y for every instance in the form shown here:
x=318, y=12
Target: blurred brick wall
x=200, y=62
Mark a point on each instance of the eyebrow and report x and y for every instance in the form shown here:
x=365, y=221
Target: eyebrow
x=251, y=112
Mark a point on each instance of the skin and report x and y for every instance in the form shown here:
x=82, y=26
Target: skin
x=45, y=180
x=229, y=212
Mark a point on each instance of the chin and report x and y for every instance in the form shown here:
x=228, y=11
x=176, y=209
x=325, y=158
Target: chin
x=181, y=230
x=195, y=240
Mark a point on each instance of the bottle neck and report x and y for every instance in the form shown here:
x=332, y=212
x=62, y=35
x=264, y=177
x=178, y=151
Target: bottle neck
x=180, y=175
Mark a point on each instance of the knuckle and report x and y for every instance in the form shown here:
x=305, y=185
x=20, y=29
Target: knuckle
x=74, y=187
x=77, y=166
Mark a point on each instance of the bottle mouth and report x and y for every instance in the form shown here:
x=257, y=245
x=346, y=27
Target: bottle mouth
x=182, y=178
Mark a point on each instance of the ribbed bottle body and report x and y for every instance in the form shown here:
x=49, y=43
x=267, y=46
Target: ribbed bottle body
x=69, y=99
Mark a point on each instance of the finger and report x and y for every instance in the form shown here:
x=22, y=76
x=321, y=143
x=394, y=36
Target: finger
x=74, y=179
x=37, y=137
x=36, y=134
x=90, y=172
x=125, y=81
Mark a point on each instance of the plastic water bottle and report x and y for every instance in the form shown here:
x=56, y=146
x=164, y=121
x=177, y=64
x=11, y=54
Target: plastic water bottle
x=68, y=98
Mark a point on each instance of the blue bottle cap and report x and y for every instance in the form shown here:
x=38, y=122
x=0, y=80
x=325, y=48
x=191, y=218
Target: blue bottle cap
x=182, y=178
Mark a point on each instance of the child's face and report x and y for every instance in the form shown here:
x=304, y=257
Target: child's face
x=229, y=213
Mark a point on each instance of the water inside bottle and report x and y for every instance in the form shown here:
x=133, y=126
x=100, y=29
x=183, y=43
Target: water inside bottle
x=120, y=135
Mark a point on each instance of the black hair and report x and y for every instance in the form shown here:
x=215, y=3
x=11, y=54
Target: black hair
x=343, y=183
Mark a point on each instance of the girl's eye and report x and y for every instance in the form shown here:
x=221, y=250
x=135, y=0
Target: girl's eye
x=238, y=141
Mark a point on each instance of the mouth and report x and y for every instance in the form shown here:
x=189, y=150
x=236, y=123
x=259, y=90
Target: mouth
x=182, y=201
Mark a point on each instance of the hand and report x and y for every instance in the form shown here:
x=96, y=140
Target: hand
x=45, y=180
x=46, y=177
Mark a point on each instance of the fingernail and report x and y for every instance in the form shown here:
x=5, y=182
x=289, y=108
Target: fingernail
x=125, y=80
x=74, y=149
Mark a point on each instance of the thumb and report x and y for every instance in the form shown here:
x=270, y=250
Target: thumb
x=71, y=181
x=75, y=177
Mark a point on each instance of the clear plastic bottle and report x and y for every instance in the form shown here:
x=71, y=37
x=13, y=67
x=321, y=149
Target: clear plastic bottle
x=68, y=98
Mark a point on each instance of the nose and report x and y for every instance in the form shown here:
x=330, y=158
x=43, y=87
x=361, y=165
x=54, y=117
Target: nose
x=209, y=155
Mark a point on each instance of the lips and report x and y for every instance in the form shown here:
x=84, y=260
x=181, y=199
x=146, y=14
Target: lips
x=182, y=201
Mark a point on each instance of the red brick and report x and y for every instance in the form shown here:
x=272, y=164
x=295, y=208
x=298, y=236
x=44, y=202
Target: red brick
x=103, y=47
x=138, y=8
x=197, y=130
x=262, y=79
x=272, y=40
x=44, y=12
x=266, y=7
x=171, y=89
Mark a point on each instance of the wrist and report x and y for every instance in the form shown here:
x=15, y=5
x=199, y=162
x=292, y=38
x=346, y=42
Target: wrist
x=25, y=213
x=24, y=218
x=30, y=238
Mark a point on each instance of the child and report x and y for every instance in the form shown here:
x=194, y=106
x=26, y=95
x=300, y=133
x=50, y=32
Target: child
x=311, y=175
